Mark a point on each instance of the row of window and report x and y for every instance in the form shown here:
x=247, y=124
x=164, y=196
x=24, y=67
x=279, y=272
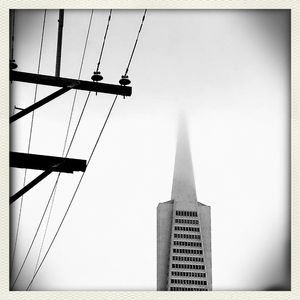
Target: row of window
x=188, y=274
x=185, y=266
x=179, y=228
x=188, y=281
x=188, y=251
x=187, y=258
x=186, y=213
x=189, y=244
x=186, y=221
x=178, y=288
x=187, y=236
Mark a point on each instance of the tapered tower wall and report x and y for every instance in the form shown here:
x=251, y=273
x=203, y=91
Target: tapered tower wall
x=164, y=228
x=183, y=230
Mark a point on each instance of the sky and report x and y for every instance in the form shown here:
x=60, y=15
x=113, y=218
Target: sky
x=228, y=71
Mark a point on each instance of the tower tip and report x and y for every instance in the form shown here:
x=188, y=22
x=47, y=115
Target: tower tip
x=183, y=188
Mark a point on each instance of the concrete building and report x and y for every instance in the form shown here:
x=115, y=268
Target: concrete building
x=183, y=230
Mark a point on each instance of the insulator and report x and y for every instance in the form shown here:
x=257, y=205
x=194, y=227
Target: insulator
x=124, y=80
x=12, y=64
x=97, y=76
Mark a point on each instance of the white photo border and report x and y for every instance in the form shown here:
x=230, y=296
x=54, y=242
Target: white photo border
x=293, y=5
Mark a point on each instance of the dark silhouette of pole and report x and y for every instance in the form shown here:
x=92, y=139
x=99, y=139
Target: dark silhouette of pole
x=65, y=82
x=59, y=42
x=38, y=104
x=45, y=162
x=29, y=186
x=48, y=164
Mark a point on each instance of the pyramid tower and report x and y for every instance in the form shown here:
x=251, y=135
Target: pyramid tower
x=183, y=229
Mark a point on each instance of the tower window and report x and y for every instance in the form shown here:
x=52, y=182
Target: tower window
x=186, y=266
x=185, y=213
x=186, y=281
x=187, y=236
x=188, y=244
x=188, y=251
x=187, y=221
x=187, y=258
x=181, y=228
x=187, y=274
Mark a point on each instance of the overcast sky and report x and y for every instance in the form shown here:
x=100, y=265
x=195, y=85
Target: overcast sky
x=228, y=71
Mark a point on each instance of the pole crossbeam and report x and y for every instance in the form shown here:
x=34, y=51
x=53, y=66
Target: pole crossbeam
x=66, y=82
x=45, y=162
x=48, y=164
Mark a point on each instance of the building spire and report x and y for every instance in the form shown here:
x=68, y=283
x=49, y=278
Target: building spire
x=183, y=188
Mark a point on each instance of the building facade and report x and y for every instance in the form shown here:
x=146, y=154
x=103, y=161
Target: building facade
x=183, y=231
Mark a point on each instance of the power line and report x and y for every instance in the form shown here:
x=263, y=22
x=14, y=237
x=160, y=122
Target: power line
x=79, y=74
x=65, y=142
x=72, y=199
x=124, y=78
x=52, y=196
x=46, y=229
x=97, y=74
x=29, y=141
x=36, y=232
x=88, y=32
x=56, y=182
x=127, y=69
x=66, y=138
x=104, y=40
x=101, y=131
x=100, y=134
x=137, y=38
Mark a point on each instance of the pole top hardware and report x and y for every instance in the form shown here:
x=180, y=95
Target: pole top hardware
x=124, y=80
x=97, y=76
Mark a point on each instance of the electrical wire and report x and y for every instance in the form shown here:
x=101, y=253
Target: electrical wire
x=100, y=134
x=52, y=195
x=98, y=64
x=74, y=194
x=78, y=77
x=137, y=38
x=45, y=232
x=52, y=192
x=89, y=28
x=66, y=138
x=36, y=232
x=104, y=40
x=80, y=180
x=29, y=143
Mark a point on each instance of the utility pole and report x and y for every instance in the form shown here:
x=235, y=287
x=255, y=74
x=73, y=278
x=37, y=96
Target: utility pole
x=65, y=84
x=59, y=41
x=51, y=164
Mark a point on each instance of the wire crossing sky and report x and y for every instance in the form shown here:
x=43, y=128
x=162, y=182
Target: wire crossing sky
x=228, y=72
x=30, y=134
